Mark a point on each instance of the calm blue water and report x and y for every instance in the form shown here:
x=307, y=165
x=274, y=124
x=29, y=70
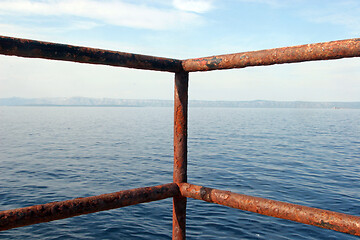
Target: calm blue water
x=309, y=157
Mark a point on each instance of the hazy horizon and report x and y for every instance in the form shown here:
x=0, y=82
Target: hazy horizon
x=159, y=99
x=106, y=102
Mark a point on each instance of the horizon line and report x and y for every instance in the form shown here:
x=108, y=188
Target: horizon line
x=205, y=100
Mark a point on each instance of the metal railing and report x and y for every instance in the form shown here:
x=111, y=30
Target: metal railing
x=179, y=190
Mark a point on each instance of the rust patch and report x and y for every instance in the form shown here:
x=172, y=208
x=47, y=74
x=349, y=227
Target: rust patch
x=326, y=225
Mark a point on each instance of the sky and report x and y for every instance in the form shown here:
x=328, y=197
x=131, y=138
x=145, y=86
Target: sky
x=181, y=29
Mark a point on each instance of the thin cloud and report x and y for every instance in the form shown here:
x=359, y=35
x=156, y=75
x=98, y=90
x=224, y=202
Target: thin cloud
x=113, y=12
x=272, y=3
x=198, y=6
x=42, y=31
x=350, y=22
x=16, y=31
x=344, y=14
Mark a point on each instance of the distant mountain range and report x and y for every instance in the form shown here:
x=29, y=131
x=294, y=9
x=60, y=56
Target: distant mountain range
x=112, y=102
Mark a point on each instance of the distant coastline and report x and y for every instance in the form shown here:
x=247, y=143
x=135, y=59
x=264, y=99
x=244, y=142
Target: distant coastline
x=113, y=102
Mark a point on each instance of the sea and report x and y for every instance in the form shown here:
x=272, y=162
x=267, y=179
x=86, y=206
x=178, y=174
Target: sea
x=302, y=156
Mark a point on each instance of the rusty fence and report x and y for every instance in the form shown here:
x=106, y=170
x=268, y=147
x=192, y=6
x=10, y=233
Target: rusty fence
x=179, y=190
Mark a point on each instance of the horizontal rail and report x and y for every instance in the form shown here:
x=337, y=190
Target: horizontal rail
x=36, y=49
x=58, y=210
x=310, y=52
x=302, y=214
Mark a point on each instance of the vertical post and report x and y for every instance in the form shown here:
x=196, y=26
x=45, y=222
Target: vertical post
x=180, y=151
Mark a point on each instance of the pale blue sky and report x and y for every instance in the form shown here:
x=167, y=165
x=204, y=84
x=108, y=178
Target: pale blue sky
x=181, y=29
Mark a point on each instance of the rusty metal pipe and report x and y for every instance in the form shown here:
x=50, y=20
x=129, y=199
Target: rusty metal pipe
x=180, y=126
x=312, y=216
x=58, y=210
x=310, y=52
x=180, y=152
x=36, y=49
